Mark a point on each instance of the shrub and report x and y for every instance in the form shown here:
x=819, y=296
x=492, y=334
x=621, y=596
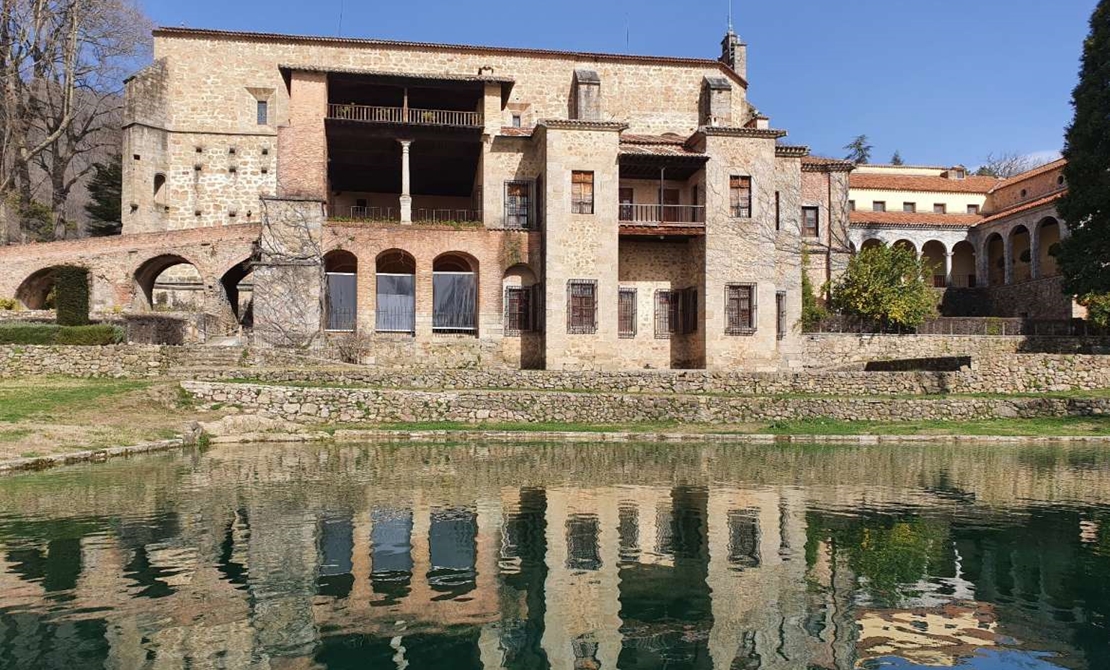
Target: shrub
x=813, y=312
x=48, y=333
x=886, y=284
x=72, y=295
x=7, y=304
x=1098, y=308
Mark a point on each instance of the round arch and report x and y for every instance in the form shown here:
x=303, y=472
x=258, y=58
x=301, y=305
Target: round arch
x=1021, y=254
x=35, y=291
x=963, y=264
x=147, y=275
x=395, y=292
x=1048, y=244
x=455, y=293
x=996, y=259
x=935, y=256
x=239, y=291
x=340, y=291
x=871, y=243
x=905, y=244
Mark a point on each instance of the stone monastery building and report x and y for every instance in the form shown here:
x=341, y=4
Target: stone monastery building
x=463, y=205
x=538, y=208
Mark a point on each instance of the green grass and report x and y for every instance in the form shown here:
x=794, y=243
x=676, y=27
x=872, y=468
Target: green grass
x=43, y=398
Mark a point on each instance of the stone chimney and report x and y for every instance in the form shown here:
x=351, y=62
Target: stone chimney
x=587, y=95
x=734, y=53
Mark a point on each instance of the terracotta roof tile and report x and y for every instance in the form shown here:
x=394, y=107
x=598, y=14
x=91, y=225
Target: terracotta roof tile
x=889, y=182
x=913, y=219
x=659, y=150
x=1025, y=206
x=666, y=138
x=510, y=131
x=823, y=163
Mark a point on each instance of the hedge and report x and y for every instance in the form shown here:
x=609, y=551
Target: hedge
x=48, y=333
x=71, y=295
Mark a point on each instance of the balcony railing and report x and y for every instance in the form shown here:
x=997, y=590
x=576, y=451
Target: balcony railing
x=402, y=115
x=419, y=215
x=662, y=215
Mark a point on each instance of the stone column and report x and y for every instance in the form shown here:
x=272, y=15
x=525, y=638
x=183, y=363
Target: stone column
x=1035, y=253
x=948, y=269
x=406, y=197
x=1008, y=258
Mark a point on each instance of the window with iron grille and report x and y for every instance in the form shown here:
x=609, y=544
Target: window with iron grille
x=582, y=192
x=518, y=205
x=518, y=310
x=811, y=220
x=626, y=313
x=740, y=309
x=582, y=306
x=666, y=313
x=740, y=196
x=780, y=315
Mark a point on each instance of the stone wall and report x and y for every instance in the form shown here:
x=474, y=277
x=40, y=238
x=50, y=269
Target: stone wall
x=385, y=406
x=827, y=350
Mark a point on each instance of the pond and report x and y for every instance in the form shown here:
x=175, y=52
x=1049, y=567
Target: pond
x=571, y=556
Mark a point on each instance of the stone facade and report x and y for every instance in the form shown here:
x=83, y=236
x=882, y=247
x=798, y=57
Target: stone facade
x=313, y=405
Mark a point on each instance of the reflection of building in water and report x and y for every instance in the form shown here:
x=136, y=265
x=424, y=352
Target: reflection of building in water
x=311, y=567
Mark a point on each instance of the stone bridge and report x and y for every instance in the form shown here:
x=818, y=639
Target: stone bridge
x=123, y=268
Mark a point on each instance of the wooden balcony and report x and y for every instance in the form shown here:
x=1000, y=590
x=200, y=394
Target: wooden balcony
x=405, y=116
x=636, y=219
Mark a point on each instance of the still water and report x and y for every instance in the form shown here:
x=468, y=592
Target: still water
x=561, y=556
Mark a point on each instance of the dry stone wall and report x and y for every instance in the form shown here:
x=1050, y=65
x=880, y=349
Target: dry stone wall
x=846, y=350
x=314, y=405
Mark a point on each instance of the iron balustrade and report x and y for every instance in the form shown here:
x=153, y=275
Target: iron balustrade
x=404, y=115
x=661, y=214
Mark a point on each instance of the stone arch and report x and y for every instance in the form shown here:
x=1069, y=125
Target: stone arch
x=150, y=271
x=1021, y=254
x=238, y=292
x=520, y=289
x=34, y=291
x=935, y=256
x=340, y=291
x=455, y=293
x=871, y=243
x=395, y=292
x=1049, y=234
x=905, y=244
x=995, y=251
x=963, y=265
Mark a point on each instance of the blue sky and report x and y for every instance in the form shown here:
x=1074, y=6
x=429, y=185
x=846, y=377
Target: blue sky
x=942, y=81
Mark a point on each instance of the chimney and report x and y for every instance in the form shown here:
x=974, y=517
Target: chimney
x=734, y=53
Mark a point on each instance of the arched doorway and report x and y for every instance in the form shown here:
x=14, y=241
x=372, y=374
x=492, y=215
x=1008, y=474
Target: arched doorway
x=1021, y=252
x=340, y=291
x=455, y=294
x=963, y=265
x=239, y=291
x=935, y=256
x=1048, y=244
x=395, y=295
x=996, y=260
x=169, y=282
x=522, y=304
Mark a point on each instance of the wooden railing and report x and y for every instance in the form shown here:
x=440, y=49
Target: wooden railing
x=662, y=214
x=422, y=117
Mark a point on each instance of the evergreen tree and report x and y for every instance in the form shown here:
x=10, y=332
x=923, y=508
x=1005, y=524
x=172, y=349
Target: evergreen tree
x=105, y=195
x=859, y=150
x=896, y=159
x=1085, y=256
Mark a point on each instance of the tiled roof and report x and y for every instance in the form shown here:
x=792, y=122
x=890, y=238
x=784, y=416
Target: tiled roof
x=890, y=182
x=659, y=150
x=1035, y=172
x=1025, y=206
x=666, y=138
x=167, y=31
x=577, y=124
x=823, y=163
x=510, y=131
x=913, y=219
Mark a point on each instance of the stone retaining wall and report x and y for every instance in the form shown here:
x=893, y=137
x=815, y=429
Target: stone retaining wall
x=827, y=350
x=135, y=360
x=314, y=405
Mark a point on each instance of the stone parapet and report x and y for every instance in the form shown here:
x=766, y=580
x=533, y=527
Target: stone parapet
x=329, y=404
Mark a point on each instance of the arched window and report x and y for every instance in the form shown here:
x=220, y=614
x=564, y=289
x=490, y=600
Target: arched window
x=341, y=297
x=455, y=294
x=396, y=292
x=159, y=189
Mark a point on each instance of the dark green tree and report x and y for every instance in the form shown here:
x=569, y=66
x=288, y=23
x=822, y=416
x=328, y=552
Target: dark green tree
x=105, y=195
x=1084, y=257
x=896, y=159
x=71, y=295
x=859, y=150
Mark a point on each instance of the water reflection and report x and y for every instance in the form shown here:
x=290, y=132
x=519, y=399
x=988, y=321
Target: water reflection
x=575, y=557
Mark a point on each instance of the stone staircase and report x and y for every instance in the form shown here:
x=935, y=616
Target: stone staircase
x=204, y=360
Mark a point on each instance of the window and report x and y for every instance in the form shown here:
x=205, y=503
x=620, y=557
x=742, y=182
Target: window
x=518, y=205
x=519, y=312
x=625, y=195
x=940, y=208
x=878, y=206
x=676, y=312
x=740, y=196
x=851, y=205
x=780, y=315
x=1024, y=193
x=159, y=189
x=626, y=313
x=973, y=209
x=740, y=309
x=811, y=222
x=582, y=192
x=263, y=111
x=454, y=295
x=909, y=207
x=516, y=120
x=778, y=211
x=582, y=306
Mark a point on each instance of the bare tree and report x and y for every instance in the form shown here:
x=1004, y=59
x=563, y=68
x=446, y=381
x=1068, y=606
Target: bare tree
x=1008, y=164
x=62, y=64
